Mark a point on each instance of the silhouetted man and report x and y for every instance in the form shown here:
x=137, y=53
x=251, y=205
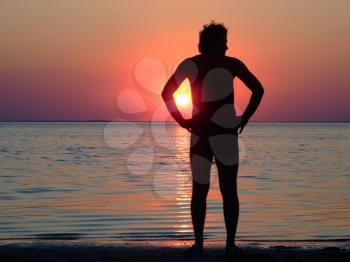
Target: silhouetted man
x=214, y=125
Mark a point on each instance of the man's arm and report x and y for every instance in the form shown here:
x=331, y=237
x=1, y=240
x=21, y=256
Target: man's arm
x=257, y=92
x=168, y=97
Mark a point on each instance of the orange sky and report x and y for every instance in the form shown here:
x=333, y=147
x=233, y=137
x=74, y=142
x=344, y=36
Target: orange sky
x=70, y=60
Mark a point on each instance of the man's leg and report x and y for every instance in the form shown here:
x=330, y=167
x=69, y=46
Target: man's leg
x=225, y=148
x=198, y=210
x=228, y=188
x=200, y=157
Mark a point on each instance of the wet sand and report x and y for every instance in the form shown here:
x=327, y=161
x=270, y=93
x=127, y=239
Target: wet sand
x=174, y=250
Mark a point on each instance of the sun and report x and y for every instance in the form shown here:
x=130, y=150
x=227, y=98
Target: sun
x=182, y=95
x=182, y=99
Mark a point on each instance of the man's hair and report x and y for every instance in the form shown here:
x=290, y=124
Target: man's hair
x=210, y=35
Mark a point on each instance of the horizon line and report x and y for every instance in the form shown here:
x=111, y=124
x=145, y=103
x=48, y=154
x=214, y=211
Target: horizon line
x=158, y=121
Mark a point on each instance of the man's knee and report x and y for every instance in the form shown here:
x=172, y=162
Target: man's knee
x=228, y=190
x=200, y=189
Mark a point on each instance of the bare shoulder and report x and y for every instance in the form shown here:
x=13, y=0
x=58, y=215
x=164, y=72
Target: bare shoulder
x=188, y=61
x=235, y=62
x=195, y=58
x=235, y=65
x=187, y=68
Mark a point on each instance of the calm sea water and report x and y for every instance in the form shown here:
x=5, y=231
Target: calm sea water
x=132, y=180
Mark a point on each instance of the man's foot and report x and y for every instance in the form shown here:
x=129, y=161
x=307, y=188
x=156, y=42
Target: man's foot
x=195, y=250
x=233, y=250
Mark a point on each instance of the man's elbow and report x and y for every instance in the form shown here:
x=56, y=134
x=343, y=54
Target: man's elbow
x=164, y=95
x=259, y=91
x=168, y=91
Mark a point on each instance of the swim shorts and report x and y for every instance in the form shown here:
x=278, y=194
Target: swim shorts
x=222, y=147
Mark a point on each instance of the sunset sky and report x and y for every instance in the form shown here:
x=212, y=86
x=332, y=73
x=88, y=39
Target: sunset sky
x=72, y=60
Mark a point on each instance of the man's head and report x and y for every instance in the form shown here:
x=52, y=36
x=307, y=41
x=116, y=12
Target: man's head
x=213, y=39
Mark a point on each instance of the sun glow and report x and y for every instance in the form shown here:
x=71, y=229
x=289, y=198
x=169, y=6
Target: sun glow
x=183, y=94
x=182, y=99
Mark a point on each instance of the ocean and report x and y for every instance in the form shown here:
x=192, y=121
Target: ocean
x=132, y=180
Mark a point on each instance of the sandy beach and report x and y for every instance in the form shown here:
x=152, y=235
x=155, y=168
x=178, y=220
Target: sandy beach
x=170, y=250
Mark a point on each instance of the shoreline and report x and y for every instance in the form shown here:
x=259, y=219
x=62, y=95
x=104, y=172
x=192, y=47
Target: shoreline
x=167, y=250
